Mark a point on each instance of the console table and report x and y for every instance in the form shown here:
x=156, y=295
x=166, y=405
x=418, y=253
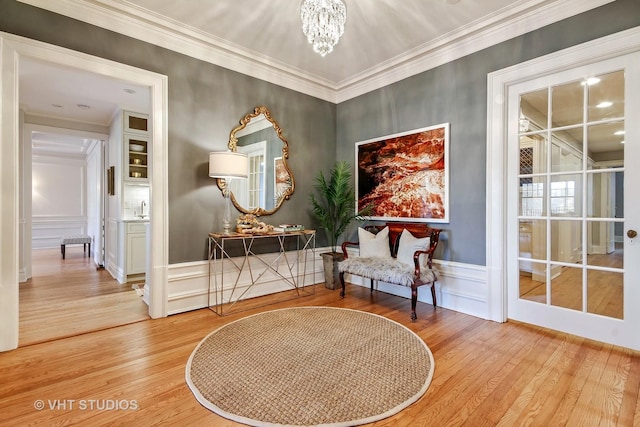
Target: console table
x=232, y=278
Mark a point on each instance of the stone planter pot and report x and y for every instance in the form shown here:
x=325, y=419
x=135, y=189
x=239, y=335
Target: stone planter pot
x=330, y=262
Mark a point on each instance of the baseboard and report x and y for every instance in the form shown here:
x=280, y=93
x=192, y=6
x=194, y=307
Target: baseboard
x=117, y=273
x=460, y=287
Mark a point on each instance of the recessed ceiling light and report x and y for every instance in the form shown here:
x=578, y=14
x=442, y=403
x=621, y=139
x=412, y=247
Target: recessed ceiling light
x=620, y=132
x=83, y=106
x=605, y=104
x=622, y=142
x=591, y=81
x=129, y=91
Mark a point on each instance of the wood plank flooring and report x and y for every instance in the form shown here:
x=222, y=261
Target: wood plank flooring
x=486, y=373
x=69, y=297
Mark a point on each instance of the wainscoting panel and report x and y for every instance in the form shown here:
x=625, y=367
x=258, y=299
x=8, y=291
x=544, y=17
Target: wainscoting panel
x=46, y=232
x=460, y=287
x=189, y=282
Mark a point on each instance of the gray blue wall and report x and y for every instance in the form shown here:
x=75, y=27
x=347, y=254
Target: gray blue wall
x=457, y=93
x=206, y=102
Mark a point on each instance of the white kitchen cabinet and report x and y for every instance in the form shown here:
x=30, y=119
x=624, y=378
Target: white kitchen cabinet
x=136, y=147
x=136, y=123
x=136, y=158
x=136, y=238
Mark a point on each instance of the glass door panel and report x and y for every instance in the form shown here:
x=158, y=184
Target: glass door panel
x=606, y=293
x=606, y=99
x=533, y=281
x=605, y=142
x=571, y=254
x=566, y=150
x=534, y=109
x=566, y=287
x=567, y=104
x=566, y=195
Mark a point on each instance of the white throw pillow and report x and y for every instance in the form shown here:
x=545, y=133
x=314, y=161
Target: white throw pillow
x=409, y=245
x=374, y=245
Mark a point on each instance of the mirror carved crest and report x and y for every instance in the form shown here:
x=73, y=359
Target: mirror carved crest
x=270, y=182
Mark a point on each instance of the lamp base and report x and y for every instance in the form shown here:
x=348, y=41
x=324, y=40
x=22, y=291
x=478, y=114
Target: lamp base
x=226, y=219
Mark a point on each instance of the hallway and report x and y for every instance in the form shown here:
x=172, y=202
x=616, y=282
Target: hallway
x=70, y=297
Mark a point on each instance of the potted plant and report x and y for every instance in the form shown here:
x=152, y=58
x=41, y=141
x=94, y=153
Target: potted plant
x=335, y=208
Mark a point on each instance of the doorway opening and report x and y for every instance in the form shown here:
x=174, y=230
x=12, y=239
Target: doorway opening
x=13, y=50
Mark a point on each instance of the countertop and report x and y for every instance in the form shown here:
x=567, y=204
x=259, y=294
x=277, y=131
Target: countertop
x=136, y=220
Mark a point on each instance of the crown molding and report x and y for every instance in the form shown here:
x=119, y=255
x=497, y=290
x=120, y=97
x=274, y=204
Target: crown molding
x=125, y=19
x=527, y=17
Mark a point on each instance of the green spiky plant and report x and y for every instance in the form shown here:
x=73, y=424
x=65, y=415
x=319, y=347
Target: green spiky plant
x=335, y=205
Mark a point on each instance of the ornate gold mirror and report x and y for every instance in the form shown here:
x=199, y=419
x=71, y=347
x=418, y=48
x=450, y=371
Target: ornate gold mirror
x=270, y=181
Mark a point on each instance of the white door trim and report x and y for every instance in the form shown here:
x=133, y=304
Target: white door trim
x=12, y=48
x=498, y=84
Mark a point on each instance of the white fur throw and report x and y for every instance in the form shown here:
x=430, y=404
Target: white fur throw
x=387, y=270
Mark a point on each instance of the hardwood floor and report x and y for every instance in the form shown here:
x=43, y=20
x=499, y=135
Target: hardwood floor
x=69, y=297
x=486, y=373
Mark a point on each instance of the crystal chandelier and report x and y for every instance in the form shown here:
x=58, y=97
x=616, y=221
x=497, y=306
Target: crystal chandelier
x=323, y=23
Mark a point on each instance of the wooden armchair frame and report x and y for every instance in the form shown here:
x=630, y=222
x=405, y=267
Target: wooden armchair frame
x=419, y=277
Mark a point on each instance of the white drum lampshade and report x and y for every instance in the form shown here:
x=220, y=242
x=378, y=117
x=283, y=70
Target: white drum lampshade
x=228, y=164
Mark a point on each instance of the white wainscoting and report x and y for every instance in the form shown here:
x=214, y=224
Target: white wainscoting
x=460, y=287
x=46, y=232
x=58, y=199
x=189, y=282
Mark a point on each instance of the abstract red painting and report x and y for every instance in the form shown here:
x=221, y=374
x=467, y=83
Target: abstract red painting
x=405, y=176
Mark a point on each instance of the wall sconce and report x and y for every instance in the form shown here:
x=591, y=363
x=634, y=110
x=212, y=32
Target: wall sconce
x=227, y=165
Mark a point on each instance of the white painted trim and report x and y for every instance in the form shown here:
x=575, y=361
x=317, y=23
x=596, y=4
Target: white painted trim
x=460, y=287
x=520, y=18
x=9, y=204
x=482, y=35
x=498, y=84
x=12, y=48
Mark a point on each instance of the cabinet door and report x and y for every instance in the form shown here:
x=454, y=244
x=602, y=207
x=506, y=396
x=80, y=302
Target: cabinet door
x=136, y=253
x=136, y=158
x=136, y=123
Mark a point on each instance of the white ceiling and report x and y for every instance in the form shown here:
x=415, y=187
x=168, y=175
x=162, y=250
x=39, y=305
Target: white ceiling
x=376, y=32
x=384, y=41
x=53, y=91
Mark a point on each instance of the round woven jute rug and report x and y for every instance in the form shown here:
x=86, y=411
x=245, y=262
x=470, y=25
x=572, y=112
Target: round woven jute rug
x=310, y=366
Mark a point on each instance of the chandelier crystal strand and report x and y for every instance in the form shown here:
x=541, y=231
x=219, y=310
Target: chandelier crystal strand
x=323, y=23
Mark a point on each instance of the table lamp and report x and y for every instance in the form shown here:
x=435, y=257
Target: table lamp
x=227, y=165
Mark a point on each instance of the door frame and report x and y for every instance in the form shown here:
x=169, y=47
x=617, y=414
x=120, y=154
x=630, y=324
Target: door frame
x=12, y=49
x=498, y=84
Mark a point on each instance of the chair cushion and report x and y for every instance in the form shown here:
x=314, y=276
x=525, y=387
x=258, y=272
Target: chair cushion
x=74, y=239
x=409, y=245
x=386, y=270
x=374, y=245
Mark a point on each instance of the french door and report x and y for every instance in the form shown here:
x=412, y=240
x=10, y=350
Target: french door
x=572, y=192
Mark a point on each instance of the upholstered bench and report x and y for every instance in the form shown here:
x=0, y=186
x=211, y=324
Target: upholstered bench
x=75, y=239
x=395, y=253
